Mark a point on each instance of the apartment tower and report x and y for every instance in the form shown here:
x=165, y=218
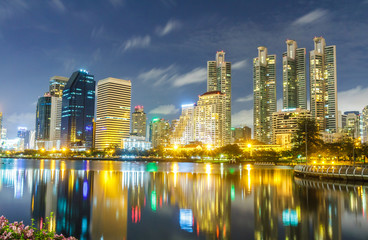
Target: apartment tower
x=264, y=94
x=294, y=76
x=323, y=88
x=219, y=79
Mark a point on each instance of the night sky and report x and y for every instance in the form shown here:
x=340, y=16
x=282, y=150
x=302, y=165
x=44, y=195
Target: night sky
x=163, y=48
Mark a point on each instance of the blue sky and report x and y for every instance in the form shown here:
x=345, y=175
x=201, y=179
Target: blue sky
x=163, y=48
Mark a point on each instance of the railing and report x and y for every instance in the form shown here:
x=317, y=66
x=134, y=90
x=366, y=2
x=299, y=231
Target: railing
x=359, y=173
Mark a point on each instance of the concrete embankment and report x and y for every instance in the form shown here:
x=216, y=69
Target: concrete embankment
x=351, y=173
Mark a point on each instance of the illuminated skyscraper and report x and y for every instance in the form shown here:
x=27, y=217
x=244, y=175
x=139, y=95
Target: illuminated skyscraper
x=264, y=94
x=294, y=76
x=43, y=115
x=323, y=88
x=183, y=129
x=219, y=79
x=57, y=85
x=78, y=106
x=210, y=120
x=139, y=122
x=365, y=124
x=113, y=112
x=159, y=132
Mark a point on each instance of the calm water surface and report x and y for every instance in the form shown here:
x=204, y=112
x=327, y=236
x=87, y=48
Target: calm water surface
x=133, y=200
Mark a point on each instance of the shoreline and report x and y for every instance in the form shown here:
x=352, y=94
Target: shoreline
x=153, y=159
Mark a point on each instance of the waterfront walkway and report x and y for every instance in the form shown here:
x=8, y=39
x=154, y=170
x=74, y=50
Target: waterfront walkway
x=358, y=173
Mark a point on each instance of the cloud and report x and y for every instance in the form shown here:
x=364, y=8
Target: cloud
x=245, y=99
x=171, y=76
x=58, y=5
x=70, y=65
x=10, y=8
x=136, y=42
x=197, y=75
x=279, y=104
x=310, y=17
x=165, y=110
x=159, y=75
x=354, y=99
x=97, y=32
x=170, y=26
x=239, y=65
x=117, y=3
x=241, y=118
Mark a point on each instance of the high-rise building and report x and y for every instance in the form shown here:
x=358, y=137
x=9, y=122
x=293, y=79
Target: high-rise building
x=365, y=124
x=183, y=130
x=55, y=122
x=78, y=106
x=113, y=112
x=43, y=115
x=57, y=85
x=21, y=132
x=210, y=120
x=294, y=76
x=352, y=127
x=264, y=94
x=241, y=134
x=159, y=132
x=285, y=124
x=139, y=122
x=219, y=79
x=323, y=88
x=3, y=133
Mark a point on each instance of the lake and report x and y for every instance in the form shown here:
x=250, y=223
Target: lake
x=149, y=200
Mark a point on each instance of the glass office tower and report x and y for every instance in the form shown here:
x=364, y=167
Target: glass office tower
x=78, y=107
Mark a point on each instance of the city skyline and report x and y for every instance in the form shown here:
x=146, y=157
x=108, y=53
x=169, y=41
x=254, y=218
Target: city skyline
x=183, y=50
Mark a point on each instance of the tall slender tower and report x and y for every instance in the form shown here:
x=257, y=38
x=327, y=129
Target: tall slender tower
x=113, y=112
x=78, y=107
x=323, y=85
x=43, y=116
x=219, y=79
x=139, y=122
x=264, y=88
x=294, y=76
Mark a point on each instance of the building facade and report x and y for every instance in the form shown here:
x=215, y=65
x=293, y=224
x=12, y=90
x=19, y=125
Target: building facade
x=323, y=85
x=210, y=119
x=57, y=85
x=241, y=134
x=78, y=106
x=352, y=127
x=183, y=129
x=113, y=112
x=264, y=94
x=139, y=122
x=365, y=124
x=43, y=115
x=159, y=132
x=285, y=124
x=219, y=79
x=294, y=76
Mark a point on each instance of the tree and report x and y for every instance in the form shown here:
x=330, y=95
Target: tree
x=307, y=131
x=231, y=150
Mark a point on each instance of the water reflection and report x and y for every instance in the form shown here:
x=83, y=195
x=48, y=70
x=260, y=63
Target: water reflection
x=113, y=200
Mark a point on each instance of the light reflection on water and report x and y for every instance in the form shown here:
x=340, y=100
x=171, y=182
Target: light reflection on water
x=131, y=200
